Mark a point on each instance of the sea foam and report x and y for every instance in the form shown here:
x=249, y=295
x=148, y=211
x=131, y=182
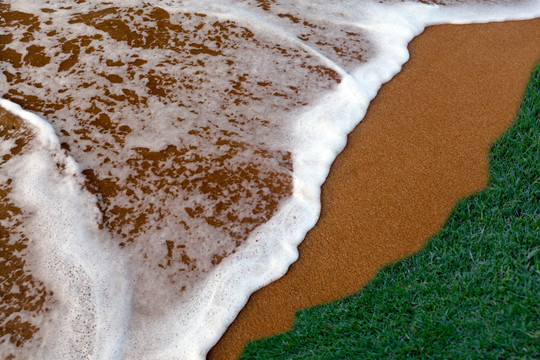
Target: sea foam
x=303, y=75
x=91, y=306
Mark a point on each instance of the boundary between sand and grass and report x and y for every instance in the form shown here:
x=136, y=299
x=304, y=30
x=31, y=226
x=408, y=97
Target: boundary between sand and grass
x=471, y=293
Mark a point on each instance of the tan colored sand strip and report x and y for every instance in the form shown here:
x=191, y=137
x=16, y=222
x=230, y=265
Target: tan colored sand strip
x=422, y=146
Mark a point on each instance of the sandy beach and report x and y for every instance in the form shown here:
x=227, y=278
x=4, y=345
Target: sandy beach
x=422, y=146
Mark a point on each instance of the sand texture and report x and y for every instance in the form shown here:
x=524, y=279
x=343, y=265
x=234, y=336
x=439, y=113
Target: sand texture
x=422, y=146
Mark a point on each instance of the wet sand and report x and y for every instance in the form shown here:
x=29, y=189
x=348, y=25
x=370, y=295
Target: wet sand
x=422, y=146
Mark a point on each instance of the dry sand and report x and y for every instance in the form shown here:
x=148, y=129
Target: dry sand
x=422, y=146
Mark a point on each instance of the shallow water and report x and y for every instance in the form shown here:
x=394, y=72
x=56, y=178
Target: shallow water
x=177, y=157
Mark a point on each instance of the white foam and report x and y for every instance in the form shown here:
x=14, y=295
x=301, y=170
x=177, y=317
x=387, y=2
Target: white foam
x=319, y=133
x=92, y=294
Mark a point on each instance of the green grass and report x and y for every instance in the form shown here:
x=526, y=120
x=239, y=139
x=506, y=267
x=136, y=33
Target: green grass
x=472, y=293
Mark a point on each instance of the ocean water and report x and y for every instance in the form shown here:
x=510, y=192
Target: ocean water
x=161, y=160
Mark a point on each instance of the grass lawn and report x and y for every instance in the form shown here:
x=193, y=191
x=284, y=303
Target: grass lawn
x=472, y=293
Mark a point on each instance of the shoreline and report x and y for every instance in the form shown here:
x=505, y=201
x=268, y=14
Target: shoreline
x=391, y=188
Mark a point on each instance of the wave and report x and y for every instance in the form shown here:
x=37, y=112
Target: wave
x=170, y=155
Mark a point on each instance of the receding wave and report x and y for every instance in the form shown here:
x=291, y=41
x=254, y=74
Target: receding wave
x=165, y=157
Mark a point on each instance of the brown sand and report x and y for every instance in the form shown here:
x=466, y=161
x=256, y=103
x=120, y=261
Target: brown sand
x=422, y=146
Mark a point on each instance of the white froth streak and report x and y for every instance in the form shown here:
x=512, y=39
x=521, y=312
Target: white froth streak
x=497, y=13
x=321, y=135
x=88, y=278
x=44, y=131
